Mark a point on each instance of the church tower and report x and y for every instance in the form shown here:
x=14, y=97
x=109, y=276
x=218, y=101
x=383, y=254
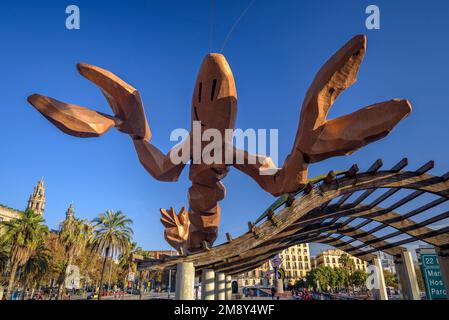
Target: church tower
x=36, y=201
x=70, y=213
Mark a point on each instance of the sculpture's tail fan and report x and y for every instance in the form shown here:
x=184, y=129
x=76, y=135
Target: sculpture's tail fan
x=170, y=219
x=176, y=227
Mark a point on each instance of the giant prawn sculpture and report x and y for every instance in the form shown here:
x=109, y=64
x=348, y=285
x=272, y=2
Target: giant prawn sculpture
x=214, y=104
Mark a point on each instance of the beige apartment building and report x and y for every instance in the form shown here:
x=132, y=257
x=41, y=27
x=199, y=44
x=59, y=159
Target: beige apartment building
x=331, y=257
x=295, y=263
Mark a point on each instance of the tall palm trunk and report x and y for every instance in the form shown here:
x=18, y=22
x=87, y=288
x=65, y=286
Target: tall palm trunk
x=63, y=278
x=12, y=278
x=24, y=291
x=102, y=273
x=352, y=283
x=33, y=288
x=51, y=287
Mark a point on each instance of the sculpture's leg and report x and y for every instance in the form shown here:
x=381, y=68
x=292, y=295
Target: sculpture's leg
x=290, y=178
x=159, y=165
x=318, y=138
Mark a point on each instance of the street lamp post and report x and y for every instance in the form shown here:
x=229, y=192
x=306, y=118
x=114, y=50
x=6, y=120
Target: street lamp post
x=169, y=283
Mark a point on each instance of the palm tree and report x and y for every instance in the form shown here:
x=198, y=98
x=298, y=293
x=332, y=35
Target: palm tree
x=23, y=234
x=126, y=262
x=4, y=257
x=112, y=237
x=74, y=235
x=36, y=267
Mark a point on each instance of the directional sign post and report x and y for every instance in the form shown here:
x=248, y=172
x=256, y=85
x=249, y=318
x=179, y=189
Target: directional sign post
x=276, y=261
x=432, y=276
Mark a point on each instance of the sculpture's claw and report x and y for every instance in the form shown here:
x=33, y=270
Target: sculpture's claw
x=346, y=134
x=337, y=74
x=124, y=100
x=176, y=227
x=319, y=138
x=72, y=119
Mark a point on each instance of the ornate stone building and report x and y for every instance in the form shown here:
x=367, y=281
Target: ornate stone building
x=330, y=258
x=295, y=263
x=258, y=277
x=36, y=202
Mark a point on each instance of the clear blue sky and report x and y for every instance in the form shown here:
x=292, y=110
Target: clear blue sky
x=157, y=46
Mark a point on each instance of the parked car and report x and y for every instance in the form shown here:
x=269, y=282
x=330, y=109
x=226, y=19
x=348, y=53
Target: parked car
x=92, y=296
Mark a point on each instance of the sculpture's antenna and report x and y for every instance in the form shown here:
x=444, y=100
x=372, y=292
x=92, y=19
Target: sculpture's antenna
x=235, y=24
x=211, y=24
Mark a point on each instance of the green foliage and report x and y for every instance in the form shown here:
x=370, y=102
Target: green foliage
x=43, y=256
x=391, y=279
x=300, y=284
x=23, y=235
x=111, y=238
x=74, y=235
x=37, y=265
x=112, y=233
x=341, y=276
x=359, y=278
x=333, y=279
x=4, y=258
x=318, y=279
